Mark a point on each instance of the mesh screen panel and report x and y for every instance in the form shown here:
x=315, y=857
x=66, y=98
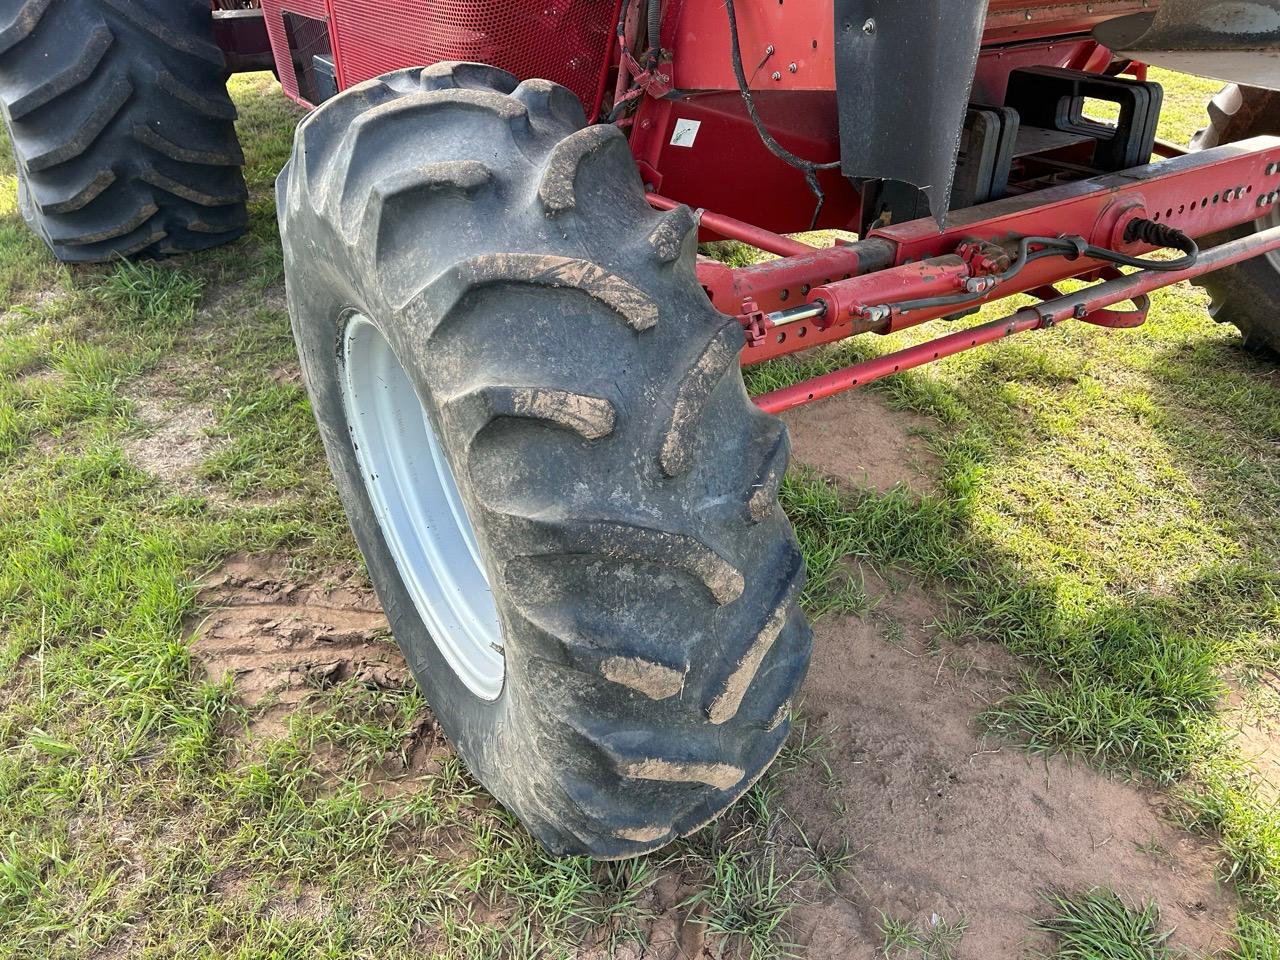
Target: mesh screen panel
x=307, y=37
x=566, y=41
x=273, y=13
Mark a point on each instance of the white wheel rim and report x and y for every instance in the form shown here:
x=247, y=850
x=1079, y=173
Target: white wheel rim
x=415, y=498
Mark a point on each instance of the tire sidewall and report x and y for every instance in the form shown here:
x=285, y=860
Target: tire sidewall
x=26, y=203
x=322, y=303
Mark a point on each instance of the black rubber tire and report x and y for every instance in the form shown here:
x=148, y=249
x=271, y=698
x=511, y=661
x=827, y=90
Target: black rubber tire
x=1246, y=294
x=121, y=125
x=622, y=485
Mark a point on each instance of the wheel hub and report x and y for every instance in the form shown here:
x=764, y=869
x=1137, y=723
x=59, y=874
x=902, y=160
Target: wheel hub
x=419, y=509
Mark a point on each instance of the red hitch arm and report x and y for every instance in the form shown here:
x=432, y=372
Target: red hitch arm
x=1083, y=305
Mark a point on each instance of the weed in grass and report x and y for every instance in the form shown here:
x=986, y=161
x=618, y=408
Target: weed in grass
x=898, y=937
x=802, y=747
x=1257, y=938
x=1157, y=851
x=621, y=894
x=908, y=940
x=1225, y=801
x=1098, y=925
x=746, y=901
x=150, y=295
x=759, y=806
x=830, y=860
x=942, y=941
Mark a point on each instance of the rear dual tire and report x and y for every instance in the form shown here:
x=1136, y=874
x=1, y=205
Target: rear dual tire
x=621, y=486
x=122, y=130
x=1246, y=294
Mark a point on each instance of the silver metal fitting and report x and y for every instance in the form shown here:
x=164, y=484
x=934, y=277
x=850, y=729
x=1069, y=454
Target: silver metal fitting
x=876, y=314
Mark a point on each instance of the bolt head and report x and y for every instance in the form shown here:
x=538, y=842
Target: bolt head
x=869, y=28
x=777, y=75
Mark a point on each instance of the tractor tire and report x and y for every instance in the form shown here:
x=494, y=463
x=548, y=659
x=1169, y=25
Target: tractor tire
x=122, y=130
x=462, y=243
x=1245, y=294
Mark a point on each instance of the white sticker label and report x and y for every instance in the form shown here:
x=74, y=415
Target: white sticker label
x=685, y=133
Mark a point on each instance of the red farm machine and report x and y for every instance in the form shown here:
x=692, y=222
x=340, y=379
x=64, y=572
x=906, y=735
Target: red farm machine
x=525, y=376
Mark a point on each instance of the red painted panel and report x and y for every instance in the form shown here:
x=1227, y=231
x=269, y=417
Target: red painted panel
x=802, y=37
x=727, y=168
x=567, y=41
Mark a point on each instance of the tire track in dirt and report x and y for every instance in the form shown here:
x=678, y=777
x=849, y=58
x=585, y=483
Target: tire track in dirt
x=282, y=638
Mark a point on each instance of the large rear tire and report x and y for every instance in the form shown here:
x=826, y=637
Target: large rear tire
x=122, y=129
x=483, y=300
x=1246, y=294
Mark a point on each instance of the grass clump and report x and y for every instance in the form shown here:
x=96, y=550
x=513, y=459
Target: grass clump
x=1098, y=925
x=149, y=294
x=938, y=939
x=746, y=902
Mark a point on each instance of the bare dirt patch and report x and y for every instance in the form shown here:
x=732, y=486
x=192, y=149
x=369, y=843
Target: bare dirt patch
x=177, y=435
x=287, y=373
x=949, y=825
x=1259, y=744
x=176, y=440
x=858, y=441
x=282, y=638
x=1251, y=714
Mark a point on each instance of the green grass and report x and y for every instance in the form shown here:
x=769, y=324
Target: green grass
x=1098, y=925
x=911, y=940
x=1105, y=509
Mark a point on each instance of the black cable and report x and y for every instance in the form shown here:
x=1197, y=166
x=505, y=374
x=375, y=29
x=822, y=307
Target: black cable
x=809, y=167
x=621, y=105
x=1050, y=247
x=655, y=33
x=622, y=19
x=1157, y=235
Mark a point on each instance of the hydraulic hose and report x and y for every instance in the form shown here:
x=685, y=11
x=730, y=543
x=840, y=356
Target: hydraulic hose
x=1073, y=248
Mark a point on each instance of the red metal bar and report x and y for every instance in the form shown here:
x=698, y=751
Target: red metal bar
x=732, y=229
x=1200, y=193
x=1077, y=305
x=789, y=280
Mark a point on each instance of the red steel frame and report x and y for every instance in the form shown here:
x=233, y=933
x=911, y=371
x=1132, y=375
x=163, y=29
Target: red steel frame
x=1198, y=193
x=1090, y=305
x=755, y=198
